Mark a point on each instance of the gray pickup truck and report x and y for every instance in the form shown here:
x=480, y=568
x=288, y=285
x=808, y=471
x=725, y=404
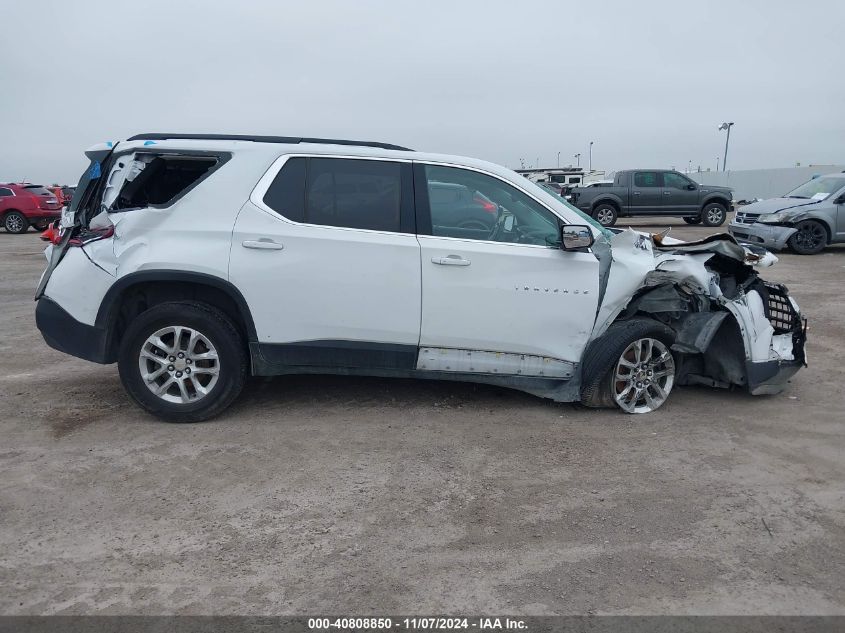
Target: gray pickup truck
x=654, y=192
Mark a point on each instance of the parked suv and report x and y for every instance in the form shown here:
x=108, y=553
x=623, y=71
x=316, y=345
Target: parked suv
x=25, y=204
x=654, y=192
x=806, y=219
x=194, y=261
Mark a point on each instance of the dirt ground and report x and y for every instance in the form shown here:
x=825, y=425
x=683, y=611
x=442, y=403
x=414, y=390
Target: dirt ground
x=355, y=496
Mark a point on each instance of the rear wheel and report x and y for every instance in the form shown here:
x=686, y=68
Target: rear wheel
x=631, y=367
x=693, y=220
x=605, y=214
x=183, y=362
x=810, y=239
x=15, y=222
x=714, y=214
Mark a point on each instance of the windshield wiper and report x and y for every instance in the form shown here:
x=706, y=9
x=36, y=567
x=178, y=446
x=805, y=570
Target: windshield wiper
x=799, y=197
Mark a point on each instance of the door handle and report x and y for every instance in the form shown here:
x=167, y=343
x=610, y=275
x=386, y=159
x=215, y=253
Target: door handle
x=636, y=193
x=263, y=244
x=451, y=260
x=667, y=193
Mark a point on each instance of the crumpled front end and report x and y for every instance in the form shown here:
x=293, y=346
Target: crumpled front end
x=770, y=236
x=733, y=329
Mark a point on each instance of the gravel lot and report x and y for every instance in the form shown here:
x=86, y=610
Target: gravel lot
x=372, y=496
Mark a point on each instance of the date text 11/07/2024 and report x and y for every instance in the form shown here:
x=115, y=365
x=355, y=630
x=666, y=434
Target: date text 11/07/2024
x=418, y=624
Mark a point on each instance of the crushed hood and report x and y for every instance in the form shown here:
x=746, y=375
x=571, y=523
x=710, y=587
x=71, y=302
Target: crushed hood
x=773, y=205
x=636, y=257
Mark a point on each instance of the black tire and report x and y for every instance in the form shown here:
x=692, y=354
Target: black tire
x=602, y=355
x=605, y=214
x=40, y=226
x=15, y=222
x=217, y=328
x=810, y=239
x=714, y=214
x=696, y=219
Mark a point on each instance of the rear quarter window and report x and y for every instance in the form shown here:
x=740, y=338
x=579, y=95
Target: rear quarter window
x=286, y=194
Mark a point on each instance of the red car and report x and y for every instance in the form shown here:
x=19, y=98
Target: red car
x=25, y=204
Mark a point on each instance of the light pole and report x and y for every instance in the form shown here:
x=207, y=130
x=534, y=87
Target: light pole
x=717, y=163
x=578, y=158
x=726, y=126
x=591, y=156
x=558, y=160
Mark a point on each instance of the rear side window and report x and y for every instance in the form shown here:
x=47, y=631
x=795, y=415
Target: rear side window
x=342, y=192
x=161, y=180
x=646, y=179
x=5, y=192
x=359, y=194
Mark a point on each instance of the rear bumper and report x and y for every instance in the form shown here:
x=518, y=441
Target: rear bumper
x=64, y=333
x=766, y=235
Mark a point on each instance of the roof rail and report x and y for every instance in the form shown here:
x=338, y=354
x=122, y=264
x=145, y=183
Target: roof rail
x=289, y=140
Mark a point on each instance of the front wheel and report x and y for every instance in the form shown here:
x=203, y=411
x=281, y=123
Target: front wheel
x=605, y=214
x=631, y=367
x=810, y=238
x=15, y=222
x=714, y=214
x=183, y=362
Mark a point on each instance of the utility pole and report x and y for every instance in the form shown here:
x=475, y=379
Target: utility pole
x=578, y=158
x=558, y=160
x=717, y=163
x=591, y=156
x=726, y=126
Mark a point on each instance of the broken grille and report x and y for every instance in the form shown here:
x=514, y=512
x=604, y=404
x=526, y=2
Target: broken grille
x=746, y=218
x=783, y=317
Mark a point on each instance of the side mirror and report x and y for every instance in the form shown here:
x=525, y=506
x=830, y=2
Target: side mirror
x=840, y=199
x=574, y=237
x=691, y=187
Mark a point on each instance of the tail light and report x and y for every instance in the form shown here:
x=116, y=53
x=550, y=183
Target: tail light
x=51, y=235
x=489, y=207
x=91, y=235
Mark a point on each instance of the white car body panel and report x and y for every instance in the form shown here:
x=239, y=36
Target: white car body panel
x=327, y=283
x=511, y=298
x=80, y=300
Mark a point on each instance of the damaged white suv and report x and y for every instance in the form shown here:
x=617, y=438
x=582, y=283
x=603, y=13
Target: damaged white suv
x=195, y=260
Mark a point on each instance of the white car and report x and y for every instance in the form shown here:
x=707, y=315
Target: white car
x=195, y=260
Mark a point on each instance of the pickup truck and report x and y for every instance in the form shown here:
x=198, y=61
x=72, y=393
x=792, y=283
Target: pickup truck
x=654, y=192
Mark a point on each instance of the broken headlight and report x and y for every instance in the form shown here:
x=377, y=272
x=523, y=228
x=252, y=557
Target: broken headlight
x=775, y=218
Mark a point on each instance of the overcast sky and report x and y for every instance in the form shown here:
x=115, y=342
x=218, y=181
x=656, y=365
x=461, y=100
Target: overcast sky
x=648, y=82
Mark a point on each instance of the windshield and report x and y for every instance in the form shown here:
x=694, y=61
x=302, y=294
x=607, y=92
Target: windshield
x=818, y=188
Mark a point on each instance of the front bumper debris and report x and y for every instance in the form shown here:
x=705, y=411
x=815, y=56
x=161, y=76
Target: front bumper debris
x=766, y=235
x=770, y=377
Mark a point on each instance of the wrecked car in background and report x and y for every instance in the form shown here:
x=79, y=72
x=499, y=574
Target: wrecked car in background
x=806, y=219
x=195, y=260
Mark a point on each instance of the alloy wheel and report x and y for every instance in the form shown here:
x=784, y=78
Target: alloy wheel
x=810, y=236
x=604, y=217
x=179, y=364
x=14, y=224
x=644, y=376
x=715, y=215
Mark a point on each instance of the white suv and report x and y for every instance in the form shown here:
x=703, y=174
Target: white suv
x=195, y=260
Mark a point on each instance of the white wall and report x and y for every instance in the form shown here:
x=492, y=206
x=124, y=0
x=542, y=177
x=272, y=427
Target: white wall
x=762, y=183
